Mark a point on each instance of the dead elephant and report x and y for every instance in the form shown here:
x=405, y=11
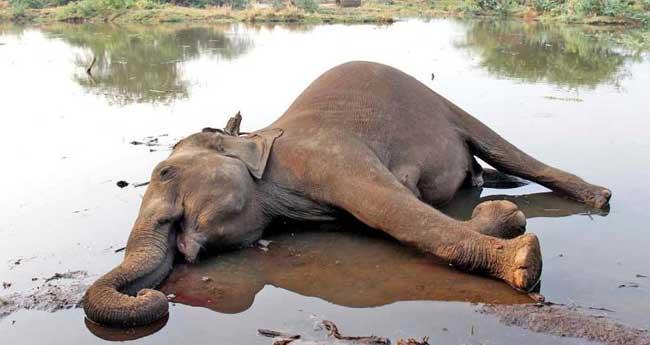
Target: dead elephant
x=365, y=140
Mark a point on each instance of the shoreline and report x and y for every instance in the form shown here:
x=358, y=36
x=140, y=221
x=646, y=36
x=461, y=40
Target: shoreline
x=328, y=13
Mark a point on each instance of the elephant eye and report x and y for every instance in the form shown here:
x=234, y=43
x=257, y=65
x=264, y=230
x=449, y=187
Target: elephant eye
x=166, y=173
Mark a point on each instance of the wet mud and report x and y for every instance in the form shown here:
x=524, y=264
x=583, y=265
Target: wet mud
x=567, y=321
x=60, y=291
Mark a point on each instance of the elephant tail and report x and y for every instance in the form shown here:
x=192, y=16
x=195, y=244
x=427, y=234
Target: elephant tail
x=495, y=179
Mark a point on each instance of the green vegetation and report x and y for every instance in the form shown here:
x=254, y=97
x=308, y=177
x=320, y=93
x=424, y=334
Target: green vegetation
x=588, y=11
x=136, y=63
x=307, y=5
x=317, y=11
x=566, y=56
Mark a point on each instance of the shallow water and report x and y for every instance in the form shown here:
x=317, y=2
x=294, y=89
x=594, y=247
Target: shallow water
x=567, y=95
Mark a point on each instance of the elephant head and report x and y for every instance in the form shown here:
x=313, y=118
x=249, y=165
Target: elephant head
x=203, y=194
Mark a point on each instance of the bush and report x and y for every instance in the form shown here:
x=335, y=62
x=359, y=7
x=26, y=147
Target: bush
x=544, y=5
x=236, y=4
x=307, y=5
x=611, y=8
x=25, y=4
x=500, y=7
x=93, y=8
x=18, y=10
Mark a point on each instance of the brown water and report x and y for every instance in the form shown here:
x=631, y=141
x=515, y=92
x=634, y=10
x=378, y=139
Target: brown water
x=568, y=95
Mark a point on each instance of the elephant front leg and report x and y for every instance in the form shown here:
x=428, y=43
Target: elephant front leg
x=366, y=189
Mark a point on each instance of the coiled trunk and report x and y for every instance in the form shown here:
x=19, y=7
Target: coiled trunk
x=123, y=297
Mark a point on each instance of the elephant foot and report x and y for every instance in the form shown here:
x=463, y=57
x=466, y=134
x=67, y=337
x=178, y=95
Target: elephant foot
x=522, y=267
x=499, y=218
x=596, y=196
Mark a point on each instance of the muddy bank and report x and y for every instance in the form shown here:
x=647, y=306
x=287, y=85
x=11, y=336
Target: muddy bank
x=566, y=321
x=60, y=291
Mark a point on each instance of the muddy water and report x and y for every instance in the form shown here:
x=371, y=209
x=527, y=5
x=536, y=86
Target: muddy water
x=568, y=95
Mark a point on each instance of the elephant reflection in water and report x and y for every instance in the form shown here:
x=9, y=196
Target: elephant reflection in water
x=352, y=268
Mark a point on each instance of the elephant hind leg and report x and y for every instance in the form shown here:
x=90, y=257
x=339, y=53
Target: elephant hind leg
x=498, y=152
x=363, y=186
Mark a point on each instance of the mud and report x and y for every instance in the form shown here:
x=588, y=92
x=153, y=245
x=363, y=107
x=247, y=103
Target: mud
x=568, y=321
x=60, y=291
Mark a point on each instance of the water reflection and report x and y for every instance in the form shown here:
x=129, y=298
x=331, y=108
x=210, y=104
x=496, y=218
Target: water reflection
x=142, y=63
x=348, y=268
x=544, y=204
x=568, y=56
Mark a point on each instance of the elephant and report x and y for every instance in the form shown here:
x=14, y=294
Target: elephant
x=364, y=140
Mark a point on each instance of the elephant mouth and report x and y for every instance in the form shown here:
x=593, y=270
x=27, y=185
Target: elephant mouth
x=187, y=242
x=188, y=246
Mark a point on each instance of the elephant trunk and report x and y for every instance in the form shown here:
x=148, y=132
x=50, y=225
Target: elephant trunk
x=122, y=298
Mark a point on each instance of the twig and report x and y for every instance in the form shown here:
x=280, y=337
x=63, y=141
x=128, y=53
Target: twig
x=89, y=70
x=601, y=309
x=140, y=184
x=275, y=334
x=369, y=340
x=119, y=249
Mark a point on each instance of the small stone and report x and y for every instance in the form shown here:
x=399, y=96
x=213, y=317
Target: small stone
x=629, y=285
x=206, y=279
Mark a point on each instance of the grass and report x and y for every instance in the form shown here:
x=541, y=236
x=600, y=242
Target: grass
x=632, y=12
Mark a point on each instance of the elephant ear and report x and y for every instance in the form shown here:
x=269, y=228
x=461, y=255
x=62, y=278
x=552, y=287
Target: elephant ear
x=253, y=149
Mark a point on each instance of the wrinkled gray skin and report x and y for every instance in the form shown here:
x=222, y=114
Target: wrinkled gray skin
x=363, y=139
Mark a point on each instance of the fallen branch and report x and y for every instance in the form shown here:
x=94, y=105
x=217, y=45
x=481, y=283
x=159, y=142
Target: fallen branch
x=281, y=338
x=369, y=340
